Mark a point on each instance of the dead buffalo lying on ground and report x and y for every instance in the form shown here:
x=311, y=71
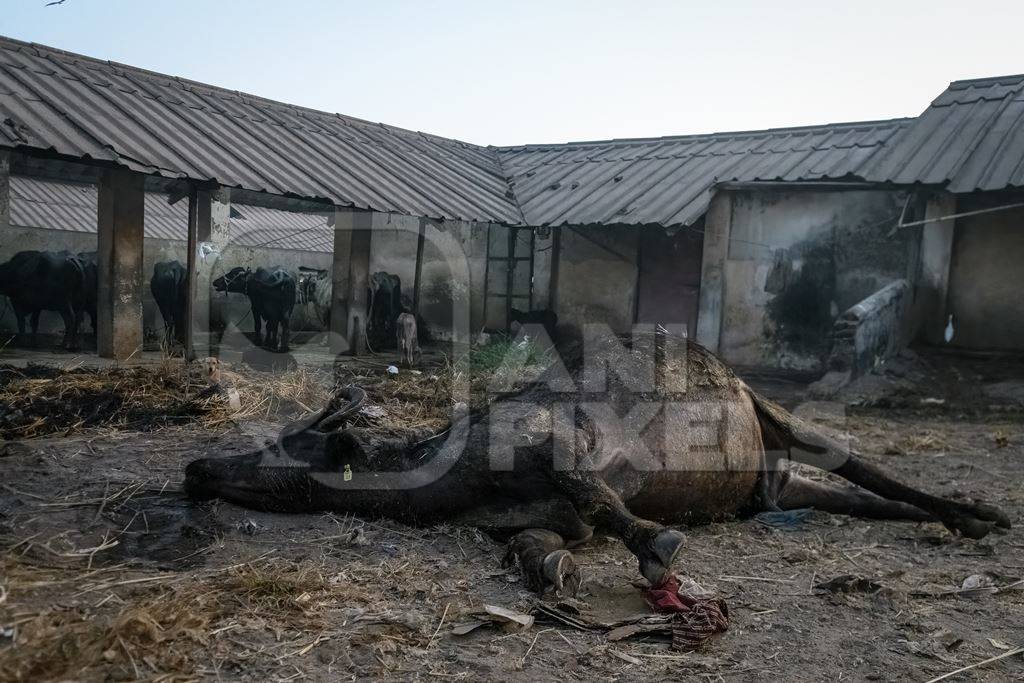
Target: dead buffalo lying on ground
x=658, y=429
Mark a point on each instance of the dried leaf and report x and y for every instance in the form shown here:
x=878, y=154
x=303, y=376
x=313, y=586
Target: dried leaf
x=508, y=617
x=625, y=657
x=466, y=627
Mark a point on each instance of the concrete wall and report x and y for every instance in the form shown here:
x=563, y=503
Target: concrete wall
x=795, y=260
x=452, y=272
x=231, y=307
x=597, y=271
x=985, y=277
x=454, y=265
x=871, y=331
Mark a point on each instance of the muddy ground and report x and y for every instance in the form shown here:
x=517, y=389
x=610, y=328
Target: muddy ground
x=110, y=574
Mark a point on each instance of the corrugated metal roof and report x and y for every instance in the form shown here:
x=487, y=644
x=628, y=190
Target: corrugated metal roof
x=87, y=108
x=970, y=138
x=669, y=181
x=70, y=206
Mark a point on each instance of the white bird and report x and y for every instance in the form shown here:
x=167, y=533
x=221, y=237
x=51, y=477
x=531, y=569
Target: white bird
x=207, y=249
x=949, y=330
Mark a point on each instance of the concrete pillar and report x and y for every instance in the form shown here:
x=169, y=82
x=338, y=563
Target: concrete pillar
x=350, y=278
x=936, y=257
x=119, y=263
x=543, y=254
x=711, y=307
x=213, y=235
x=5, y=190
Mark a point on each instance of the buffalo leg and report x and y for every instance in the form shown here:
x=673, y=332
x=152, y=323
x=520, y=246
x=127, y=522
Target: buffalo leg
x=801, y=492
x=165, y=315
x=804, y=443
x=270, y=335
x=972, y=520
x=544, y=561
x=257, y=324
x=34, y=328
x=21, y=315
x=285, y=330
x=654, y=545
x=70, y=319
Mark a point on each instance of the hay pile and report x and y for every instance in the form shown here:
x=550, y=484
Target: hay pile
x=167, y=623
x=41, y=400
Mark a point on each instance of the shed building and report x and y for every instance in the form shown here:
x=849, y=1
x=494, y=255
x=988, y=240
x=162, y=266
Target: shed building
x=814, y=248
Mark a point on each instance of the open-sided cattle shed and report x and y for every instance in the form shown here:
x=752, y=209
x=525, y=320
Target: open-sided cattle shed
x=619, y=220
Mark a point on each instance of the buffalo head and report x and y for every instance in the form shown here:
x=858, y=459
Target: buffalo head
x=279, y=477
x=235, y=280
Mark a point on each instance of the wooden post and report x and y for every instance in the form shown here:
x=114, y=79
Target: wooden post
x=510, y=276
x=5, y=190
x=191, y=272
x=121, y=207
x=556, y=255
x=419, y=267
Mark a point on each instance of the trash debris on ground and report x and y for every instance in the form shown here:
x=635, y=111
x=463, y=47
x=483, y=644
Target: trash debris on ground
x=697, y=615
x=786, y=520
x=250, y=527
x=508, y=619
x=684, y=613
x=850, y=583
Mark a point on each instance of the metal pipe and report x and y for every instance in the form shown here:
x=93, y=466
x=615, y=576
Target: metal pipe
x=962, y=214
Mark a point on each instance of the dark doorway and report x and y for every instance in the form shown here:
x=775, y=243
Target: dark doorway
x=509, y=282
x=668, y=287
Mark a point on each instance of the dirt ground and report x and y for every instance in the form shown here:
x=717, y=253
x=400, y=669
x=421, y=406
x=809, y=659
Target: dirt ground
x=110, y=574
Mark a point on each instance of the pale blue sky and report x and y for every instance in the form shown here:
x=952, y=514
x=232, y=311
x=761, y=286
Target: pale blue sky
x=526, y=71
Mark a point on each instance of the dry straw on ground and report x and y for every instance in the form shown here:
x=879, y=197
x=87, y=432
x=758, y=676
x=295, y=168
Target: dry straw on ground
x=40, y=400
x=160, y=623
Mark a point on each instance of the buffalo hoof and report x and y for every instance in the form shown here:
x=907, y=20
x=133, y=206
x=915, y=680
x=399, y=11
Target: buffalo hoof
x=664, y=548
x=971, y=527
x=561, y=574
x=976, y=520
x=990, y=513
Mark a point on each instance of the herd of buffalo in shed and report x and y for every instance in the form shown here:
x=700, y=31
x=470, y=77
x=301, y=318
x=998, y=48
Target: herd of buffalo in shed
x=67, y=283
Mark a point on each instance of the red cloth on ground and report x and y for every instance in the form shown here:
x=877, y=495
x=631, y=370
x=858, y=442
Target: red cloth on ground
x=697, y=619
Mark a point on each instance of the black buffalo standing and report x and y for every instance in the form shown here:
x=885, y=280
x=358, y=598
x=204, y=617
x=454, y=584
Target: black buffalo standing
x=271, y=293
x=90, y=283
x=169, y=286
x=37, y=281
x=384, y=304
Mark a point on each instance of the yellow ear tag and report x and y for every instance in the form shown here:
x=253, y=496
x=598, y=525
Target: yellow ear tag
x=347, y=476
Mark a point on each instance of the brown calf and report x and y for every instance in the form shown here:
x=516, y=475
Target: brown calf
x=408, y=342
